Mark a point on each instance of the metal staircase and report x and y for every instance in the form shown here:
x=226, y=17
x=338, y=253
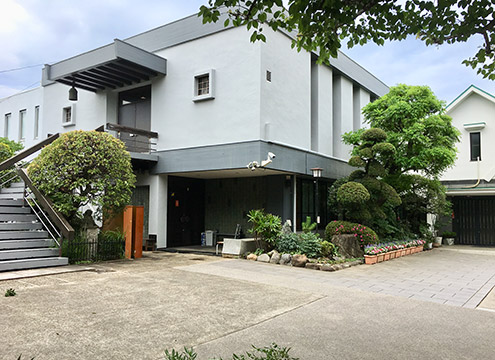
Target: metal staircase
x=24, y=241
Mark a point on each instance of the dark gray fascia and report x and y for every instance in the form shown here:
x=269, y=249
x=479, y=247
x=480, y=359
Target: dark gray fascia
x=238, y=155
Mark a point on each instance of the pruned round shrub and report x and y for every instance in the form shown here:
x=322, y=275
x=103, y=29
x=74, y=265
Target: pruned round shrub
x=356, y=174
x=310, y=244
x=352, y=193
x=375, y=135
x=328, y=249
x=356, y=161
x=366, y=152
x=84, y=168
x=376, y=169
x=383, y=148
x=364, y=234
x=287, y=243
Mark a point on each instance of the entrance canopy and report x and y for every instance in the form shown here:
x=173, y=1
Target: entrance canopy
x=109, y=67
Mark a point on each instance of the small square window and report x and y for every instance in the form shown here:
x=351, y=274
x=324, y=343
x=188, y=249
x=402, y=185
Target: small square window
x=68, y=116
x=204, y=85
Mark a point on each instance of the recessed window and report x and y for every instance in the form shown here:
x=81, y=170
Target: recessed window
x=36, y=121
x=68, y=116
x=22, y=124
x=268, y=76
x=6, y=125
x=203, y=85
x=475, y=142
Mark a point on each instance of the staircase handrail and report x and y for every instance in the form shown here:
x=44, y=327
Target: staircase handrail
x=65, y=228
x=36, y=147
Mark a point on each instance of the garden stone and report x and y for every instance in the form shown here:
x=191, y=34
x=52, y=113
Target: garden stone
x=299, y=260
x=275, y=257
x=337, y=267
x=263, y=258
x=313, y=266
x=348, y=245
x=252, y=257
x=285, y=259
x=327, y=267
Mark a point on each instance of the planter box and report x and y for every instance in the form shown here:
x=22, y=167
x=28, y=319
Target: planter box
x=370, y=259
x=392, y=254
x=386, y=256
x=380, y=257
x=408, y=251
x=236, y=247
x=403, y=252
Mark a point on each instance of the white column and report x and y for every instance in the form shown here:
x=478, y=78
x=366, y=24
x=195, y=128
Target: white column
x=342, y=115
x=158, y=209
x=361, y=99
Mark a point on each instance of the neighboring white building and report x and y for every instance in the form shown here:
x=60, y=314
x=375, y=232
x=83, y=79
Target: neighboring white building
x=470, y=183
x=212, y=102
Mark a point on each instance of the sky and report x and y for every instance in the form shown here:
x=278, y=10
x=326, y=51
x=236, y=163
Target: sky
x=36, y=32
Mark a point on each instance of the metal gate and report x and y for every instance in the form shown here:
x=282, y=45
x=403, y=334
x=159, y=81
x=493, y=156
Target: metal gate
x=474, y=220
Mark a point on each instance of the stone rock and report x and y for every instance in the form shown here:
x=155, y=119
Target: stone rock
x=263, y=258
x=327, y=267
x=285, y=259
x=252, y=257
x=338, y=267
x=275, y=257
x=313, y=266
x=299, y=260
x=348, y=246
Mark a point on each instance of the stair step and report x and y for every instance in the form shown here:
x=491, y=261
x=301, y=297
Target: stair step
x=12, y=190
x=21, y=226
x=11, y=196
x=27, y=253
x=25, y=244
x=17, y=185
x=17, y=217
x=14, y=210
x=32, y=263
x=12, y=235
x=11, y=202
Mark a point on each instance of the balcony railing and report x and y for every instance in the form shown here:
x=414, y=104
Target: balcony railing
x=136, y=140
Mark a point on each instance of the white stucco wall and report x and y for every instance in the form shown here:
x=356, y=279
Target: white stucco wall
x=361, y=98
x=285, y=110
x=473, y=109
x=342, y=115
x=234, y=112
x=321, y=109
x=27, y=100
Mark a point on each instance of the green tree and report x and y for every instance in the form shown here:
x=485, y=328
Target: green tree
x=424, y=139
x=323, y=25
x=84, y=168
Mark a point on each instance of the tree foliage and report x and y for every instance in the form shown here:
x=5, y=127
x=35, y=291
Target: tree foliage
x=322, y=26
x=84, y=168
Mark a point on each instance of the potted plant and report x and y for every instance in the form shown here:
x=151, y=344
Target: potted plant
x=448, y=237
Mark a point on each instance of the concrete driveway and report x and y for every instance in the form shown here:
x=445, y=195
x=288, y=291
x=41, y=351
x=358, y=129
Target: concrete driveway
x=137, y=309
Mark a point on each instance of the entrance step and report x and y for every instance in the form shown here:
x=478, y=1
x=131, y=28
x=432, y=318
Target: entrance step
x=11, y=235
x=32, y=263
x=27, y=254
x=25, y=244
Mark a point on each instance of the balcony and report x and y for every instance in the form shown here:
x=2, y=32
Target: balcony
x=140, y=143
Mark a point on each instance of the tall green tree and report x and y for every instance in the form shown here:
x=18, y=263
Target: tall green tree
x=84, y=168
x=323, y=25
x=424, y=139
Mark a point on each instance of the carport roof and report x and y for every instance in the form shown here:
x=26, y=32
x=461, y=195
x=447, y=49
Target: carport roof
x=109, y=67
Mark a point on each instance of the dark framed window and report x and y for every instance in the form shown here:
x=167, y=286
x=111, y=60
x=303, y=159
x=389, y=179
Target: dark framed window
x=475, y=141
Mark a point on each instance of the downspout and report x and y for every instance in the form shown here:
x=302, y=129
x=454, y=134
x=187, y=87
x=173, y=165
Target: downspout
x=479, y=179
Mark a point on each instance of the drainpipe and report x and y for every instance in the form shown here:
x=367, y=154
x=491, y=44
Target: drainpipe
x=479, y=179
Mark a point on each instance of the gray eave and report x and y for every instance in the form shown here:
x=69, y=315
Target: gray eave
x=112, y=66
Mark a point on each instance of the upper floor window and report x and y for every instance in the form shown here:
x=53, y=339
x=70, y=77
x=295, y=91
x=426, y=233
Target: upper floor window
x=7, y=125
x=36, y=121
x=22, y=124
x=475, y=144
x=68, y=116
x=204, y=85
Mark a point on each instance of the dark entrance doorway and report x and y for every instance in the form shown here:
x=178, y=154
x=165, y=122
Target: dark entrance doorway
x=186, y=213
x=135, y=113
x=474, y=220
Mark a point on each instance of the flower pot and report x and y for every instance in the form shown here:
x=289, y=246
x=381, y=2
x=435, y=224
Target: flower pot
x=380, y=257
x=419, y=248
x=370, y=259
x=448, y=241
x=429, y=246
x=438, y=241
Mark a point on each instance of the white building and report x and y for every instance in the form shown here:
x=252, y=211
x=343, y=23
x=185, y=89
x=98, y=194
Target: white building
x=212, y=102
x=470, y=183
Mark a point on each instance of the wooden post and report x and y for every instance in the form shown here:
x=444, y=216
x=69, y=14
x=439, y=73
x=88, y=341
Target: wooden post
x=138, y=231
x=127, y=227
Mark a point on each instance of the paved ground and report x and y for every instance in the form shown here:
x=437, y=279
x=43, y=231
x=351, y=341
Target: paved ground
x=449, y=275
x=135, y=310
